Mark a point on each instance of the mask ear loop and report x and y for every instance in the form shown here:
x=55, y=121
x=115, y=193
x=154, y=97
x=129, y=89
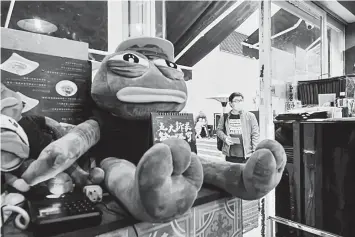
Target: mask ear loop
x=21, y=213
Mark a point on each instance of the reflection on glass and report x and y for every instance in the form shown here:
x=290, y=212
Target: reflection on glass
x=159, y=9
x=5, y=5
x=138, y=13
x=335, y=49
x=84, y=21
x=238, y=59
x=145, y=18
x=296, y=55
x=37, y=26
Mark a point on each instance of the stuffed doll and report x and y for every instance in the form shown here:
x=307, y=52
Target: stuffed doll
x=22, y=140
x=161, y=182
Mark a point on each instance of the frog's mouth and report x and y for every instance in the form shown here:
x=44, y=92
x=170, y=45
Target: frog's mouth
x=150, y=95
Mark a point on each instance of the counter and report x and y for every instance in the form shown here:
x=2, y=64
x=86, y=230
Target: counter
x=321, y=177
x=214, y=213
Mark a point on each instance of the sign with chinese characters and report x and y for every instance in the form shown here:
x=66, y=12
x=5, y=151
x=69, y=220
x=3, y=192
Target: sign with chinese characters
x=178, y=125
x=52, y=86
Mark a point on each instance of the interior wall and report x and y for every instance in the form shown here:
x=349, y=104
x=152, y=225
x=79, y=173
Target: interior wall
x=350, y=49
x=221, y=73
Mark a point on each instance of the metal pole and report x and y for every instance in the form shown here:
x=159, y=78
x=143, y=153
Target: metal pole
x=302, y=227
x=164, y=19
x=224, y=107
x=271, y=224
x=265, y=109
x=9, y=14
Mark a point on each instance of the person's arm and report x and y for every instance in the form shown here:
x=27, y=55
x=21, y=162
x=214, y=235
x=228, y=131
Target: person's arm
x=255, y=132
x=220, y=133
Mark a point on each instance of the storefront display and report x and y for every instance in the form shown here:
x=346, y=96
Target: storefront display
x=96, y=103
x=140, y=78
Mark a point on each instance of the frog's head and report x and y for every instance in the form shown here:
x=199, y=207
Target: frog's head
x=139, y=78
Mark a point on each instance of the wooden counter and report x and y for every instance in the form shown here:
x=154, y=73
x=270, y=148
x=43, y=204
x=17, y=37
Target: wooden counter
x=214, y=213
x=323, y=161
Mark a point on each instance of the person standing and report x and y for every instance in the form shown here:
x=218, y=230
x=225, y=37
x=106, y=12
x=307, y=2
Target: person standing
x=239, y=131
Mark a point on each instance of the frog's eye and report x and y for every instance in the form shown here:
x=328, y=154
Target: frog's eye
x=169, y=69
x=165, y=63
x=130, y=58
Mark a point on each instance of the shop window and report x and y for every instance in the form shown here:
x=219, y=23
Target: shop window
x=160, y=21
x=336, y=48
x=227, y=66
x=143, y=18
x=96, y=57
x=296, y=53
x=84, y=21
x=5, y=6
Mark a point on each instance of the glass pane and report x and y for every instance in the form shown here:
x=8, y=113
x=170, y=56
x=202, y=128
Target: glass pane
x=159, y=9
x=296, y=55
x=96, y=57
x=229, y=67
x=137, y=12
x=336, y=52
x=5, y=5
x=84, y=21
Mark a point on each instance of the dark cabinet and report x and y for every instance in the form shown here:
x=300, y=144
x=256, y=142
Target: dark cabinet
x=321, y=178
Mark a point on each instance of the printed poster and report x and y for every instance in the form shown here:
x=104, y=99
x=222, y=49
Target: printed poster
x=51, y=86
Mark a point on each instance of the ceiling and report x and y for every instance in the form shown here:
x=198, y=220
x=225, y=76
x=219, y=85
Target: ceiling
x=349, y=5
x=344, y=10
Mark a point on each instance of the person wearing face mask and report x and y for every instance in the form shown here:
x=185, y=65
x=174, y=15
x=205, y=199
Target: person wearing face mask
x=239, y=131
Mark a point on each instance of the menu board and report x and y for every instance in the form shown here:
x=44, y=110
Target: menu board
x=51, y=86
x=178, y=125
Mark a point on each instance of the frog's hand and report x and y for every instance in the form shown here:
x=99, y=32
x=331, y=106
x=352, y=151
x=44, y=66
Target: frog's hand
x=62, y=153
x=82, y=178
x=250, y=181
x=164, y=185
x=54, y=126
x=18, y=184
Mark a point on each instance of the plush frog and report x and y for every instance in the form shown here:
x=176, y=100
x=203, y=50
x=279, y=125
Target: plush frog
x=155, y=183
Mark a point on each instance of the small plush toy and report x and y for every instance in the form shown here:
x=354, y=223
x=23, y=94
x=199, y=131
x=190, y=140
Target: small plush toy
x=22, y=140
x=158, y=183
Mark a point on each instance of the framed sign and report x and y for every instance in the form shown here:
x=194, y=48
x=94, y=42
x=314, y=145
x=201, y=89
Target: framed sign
x=179, y=125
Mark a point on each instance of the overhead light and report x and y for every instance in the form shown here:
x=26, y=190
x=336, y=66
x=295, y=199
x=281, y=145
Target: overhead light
x=37, y=26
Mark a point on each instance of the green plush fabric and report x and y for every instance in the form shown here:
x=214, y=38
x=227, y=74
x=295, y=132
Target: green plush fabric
x=162, y=187
x=250, y=181
x=133, y=90
x=137, y=80
x=49, y=166
x=11, y=103
x=61, y=154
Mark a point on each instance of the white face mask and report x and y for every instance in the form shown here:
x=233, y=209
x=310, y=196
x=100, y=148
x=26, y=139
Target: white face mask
x=238, y=107
x=237, y=104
